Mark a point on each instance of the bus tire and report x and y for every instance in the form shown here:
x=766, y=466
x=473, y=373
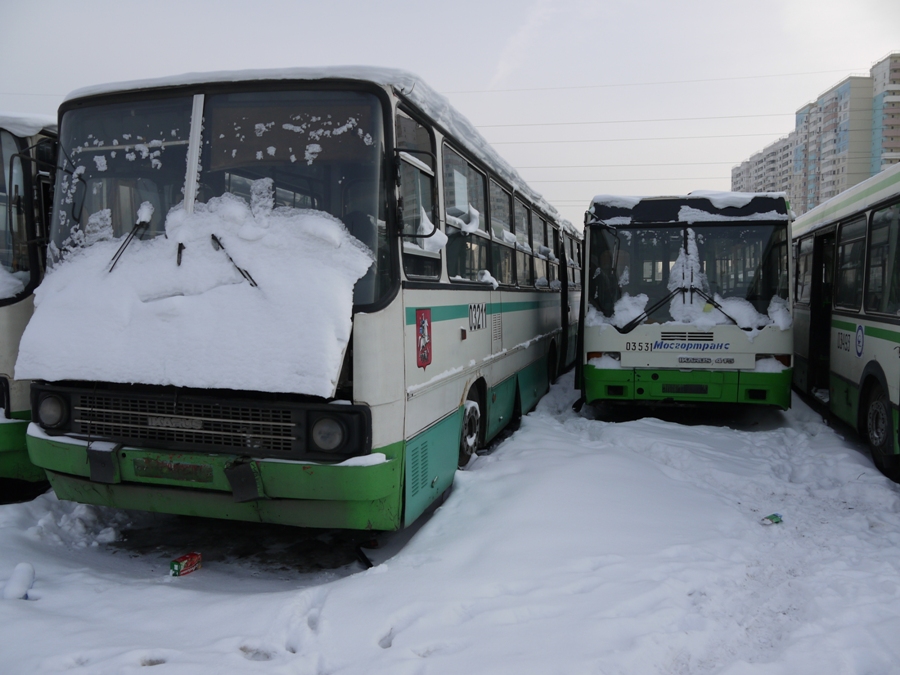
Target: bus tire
x=471, y=432
x=879, y=430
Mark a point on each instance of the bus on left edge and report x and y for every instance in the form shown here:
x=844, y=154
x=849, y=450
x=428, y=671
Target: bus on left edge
x=27, y=162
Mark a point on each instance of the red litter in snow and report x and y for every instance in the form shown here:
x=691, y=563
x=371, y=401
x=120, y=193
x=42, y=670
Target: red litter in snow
x=185, y=564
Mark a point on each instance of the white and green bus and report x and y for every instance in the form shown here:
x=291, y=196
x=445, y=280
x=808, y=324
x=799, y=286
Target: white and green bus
x=27, y=159
x=847, y=310
x=687, y=300
x=303, y=297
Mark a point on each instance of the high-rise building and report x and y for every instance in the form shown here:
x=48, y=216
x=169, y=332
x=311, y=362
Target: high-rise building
x=768, y=170
x=885, y=113
x=849, y=133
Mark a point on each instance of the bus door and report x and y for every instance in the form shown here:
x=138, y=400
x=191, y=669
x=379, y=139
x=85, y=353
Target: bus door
x=820, y=311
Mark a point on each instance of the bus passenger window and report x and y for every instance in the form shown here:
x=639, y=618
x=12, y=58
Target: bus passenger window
x=421, y=253
x=540, y=252
x=504, y=239
x=464, y=210
x=524, y=273
x=804, y=271
x=851, y=243
x=882, y=268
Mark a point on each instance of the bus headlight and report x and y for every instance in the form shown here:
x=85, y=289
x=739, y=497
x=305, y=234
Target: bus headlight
x=328, y=434
x=51, y=411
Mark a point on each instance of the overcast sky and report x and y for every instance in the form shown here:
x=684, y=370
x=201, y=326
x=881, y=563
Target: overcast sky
x=583, y=97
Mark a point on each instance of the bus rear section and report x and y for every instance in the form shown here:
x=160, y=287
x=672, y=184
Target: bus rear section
x=27, y=149
x=687, y=300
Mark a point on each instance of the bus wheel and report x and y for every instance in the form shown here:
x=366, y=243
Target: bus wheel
x=879, y=431
x=470, y=437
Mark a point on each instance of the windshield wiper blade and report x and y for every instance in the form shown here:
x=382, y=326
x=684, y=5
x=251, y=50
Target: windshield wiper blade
x=715, y=304
x=244, y=273
x=137, y=226
x=631, y=325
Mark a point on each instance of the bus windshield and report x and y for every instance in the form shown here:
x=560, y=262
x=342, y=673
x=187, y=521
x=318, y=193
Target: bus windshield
x=317, y=150
x=703, y=274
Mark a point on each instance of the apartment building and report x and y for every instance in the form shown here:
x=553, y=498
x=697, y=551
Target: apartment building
x=769, y=170
x=849, y=133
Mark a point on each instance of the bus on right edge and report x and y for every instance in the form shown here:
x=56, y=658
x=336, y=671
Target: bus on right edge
x=847, y=311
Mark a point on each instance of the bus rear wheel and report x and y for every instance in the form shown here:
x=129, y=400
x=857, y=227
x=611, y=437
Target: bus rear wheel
x=471, y=434
x=879, y=431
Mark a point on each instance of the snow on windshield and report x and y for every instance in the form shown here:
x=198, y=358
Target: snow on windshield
x=182, y=309
x=692, y=299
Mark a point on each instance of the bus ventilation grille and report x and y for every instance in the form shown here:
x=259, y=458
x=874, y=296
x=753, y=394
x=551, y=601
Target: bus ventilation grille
x=685, y=389
x=682, y=336
x=245, y=427
x=418, y=468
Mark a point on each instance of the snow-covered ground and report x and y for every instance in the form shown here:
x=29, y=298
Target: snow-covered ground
x=576, y=546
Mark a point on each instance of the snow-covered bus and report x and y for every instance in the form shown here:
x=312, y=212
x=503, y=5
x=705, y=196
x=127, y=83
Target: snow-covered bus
x=847, y=310
x=302, y=297
x=687, y=300
x=27, y=158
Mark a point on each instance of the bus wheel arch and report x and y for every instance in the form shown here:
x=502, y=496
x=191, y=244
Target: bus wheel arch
x=471, y=437
x=876, y=421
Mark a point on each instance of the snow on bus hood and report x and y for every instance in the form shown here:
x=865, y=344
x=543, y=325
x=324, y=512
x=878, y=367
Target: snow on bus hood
x=202, y=323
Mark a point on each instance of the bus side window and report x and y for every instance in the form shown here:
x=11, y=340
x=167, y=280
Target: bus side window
x=504, y=239
x=465, y=214
x=14, y=262
x=882, y=268
x=421, y=253
x=804, y=271
x=524, y=272
x=851, y=242
x=538, y=238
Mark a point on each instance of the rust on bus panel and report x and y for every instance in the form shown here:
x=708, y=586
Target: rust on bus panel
x=149, y=467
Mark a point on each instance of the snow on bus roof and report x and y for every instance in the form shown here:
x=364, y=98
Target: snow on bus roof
x=404, y=83
x=21, y=124
x=697, y=206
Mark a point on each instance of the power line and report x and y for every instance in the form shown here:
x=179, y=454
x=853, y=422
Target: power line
x=21, y=93
x=628, y=180
x=618, y=140
x=648, y=84
x=617, y=166
x=662, y=119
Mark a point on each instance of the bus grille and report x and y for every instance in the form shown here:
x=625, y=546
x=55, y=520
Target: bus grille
x=243, y=427
x=685, y=389
x=682, y=336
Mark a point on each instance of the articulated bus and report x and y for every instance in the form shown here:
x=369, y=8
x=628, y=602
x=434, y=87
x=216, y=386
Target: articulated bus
x=687, y=300
x=847, y=309
x=301, y=297
x=27, y=159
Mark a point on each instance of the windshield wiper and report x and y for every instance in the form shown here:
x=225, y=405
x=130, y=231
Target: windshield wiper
x=631, y=325
x=139, y=225
x=244, y=273
x=715, y=304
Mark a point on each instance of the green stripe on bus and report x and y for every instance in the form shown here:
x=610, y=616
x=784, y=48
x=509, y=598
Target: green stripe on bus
x=843, y=325
x=883, y=334
x=871, y=331
x=453, y=312
x=443, y=313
